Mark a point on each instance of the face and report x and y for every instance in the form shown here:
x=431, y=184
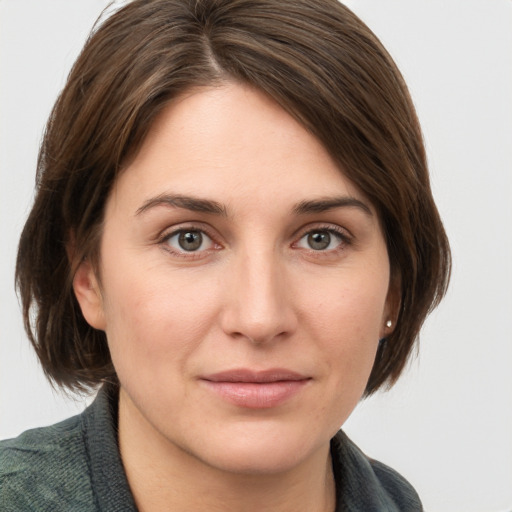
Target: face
x=244, y=284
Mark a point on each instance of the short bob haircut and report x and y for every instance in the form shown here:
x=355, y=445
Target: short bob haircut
x=315, y=58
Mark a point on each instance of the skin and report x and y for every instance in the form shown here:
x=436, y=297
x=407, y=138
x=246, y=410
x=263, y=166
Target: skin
x=254, y=295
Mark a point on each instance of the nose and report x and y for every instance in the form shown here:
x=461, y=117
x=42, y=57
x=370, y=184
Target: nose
x=258, y=303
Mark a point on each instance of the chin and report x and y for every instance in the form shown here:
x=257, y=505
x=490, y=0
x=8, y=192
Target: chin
x=268, y=449
x=257, y=462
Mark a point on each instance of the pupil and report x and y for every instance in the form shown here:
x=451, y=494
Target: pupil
x=190, y=240
x=319, y=240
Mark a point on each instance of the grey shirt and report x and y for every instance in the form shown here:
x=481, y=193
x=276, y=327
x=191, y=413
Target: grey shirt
x=75, y=465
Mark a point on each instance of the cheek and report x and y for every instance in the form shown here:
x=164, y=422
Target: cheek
x=345, y=319
x=350, y=333
x=347, y=308
x=154, y=316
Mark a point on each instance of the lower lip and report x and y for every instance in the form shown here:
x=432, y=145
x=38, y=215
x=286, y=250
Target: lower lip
x=257, y=395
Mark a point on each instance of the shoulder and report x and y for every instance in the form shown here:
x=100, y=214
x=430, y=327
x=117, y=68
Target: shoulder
x=396, y=486
x=368, y=485
x=46, y=466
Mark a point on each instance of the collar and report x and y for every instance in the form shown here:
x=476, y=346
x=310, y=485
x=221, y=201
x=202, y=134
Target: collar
x=362, y=484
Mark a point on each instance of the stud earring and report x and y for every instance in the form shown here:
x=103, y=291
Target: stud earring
x=389, y=323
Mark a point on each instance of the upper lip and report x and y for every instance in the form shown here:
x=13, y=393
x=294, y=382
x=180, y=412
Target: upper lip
x=255, y=376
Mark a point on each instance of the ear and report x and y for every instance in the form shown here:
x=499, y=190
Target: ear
x=88, y=294
x=391, y=308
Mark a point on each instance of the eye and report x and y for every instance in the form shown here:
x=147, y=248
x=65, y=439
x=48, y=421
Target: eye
x=189, y=240
x=321, y=240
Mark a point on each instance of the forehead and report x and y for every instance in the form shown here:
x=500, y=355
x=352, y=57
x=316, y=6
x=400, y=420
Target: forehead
x=231, y=143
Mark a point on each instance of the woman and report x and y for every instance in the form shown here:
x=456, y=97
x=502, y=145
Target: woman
x=234, y=235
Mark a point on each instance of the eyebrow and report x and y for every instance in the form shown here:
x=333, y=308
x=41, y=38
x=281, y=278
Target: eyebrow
x=330, y=203
x=186, y=202
x=213, y=207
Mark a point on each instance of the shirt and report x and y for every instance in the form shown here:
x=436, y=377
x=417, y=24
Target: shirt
x=75, y=465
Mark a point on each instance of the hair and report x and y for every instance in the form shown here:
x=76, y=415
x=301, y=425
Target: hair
x=315, y=58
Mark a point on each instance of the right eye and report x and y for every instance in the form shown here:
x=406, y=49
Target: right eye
x=321, y=240
x=188, y=241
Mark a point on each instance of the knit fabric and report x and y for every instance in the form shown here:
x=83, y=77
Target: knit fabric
x=71, y=466
x=75, y=466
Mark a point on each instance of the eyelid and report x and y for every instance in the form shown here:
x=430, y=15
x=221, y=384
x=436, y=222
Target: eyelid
x=343, y=234
x=168, y=233
x=345, y=237
x=324, y=226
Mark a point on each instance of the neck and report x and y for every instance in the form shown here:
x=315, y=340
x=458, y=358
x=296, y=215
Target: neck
x=162, y=477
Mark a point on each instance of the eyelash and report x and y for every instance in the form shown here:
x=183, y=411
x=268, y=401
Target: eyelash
x=340, y=233
x=190, y=255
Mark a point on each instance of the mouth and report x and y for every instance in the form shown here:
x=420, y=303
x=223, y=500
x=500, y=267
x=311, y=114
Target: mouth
x=256, y=389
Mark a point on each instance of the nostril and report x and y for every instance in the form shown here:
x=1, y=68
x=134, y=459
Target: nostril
x=257, y=307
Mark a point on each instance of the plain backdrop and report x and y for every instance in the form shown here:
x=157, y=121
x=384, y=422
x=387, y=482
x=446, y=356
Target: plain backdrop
x=447, y=425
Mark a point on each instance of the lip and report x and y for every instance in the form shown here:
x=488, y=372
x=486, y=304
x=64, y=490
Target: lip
x=256, y=389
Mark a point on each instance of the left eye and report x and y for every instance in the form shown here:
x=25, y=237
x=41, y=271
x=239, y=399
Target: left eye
x=320, y=240
x=189, y=240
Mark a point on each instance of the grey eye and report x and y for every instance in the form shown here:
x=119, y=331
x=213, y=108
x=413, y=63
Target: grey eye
x=190, y=240
x=319, y=240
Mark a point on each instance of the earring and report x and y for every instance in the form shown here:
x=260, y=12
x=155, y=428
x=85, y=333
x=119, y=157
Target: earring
x=389, y=323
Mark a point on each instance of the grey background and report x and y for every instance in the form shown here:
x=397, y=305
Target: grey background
x=447, y=425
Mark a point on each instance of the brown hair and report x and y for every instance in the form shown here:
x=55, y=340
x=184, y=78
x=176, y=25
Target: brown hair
x=315, y=58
